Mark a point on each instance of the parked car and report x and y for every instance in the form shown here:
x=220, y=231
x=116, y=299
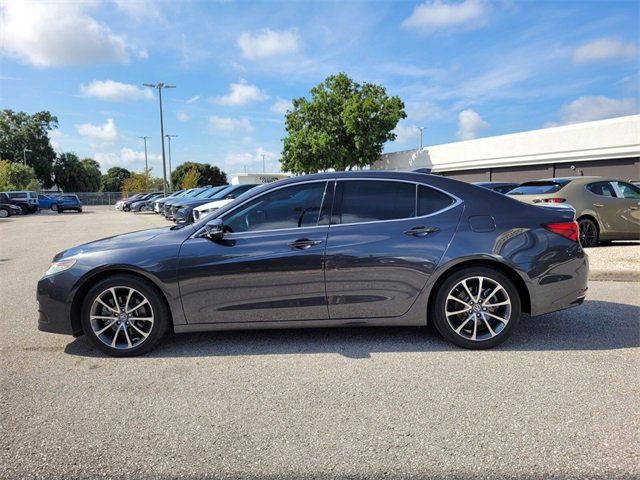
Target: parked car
x=193, y=192
x=500, y=187
x=7, y=208
x=207, y=208
x=606, y=208
x=26, y=200
x=119, y=205
x=158, y=203
x=183, y=211
x=126, y=206
x=201, y=192
x=47, y=202
x=69, y=202
x=332, y=249
x=140, y=205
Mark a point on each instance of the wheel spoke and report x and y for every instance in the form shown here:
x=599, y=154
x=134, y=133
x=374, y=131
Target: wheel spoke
x=484, y=319
x=126, y=334
x=107, y=306
x=115, y=298
x=499, y=304
x=145, y=335
x=459, y=329
x=475, y=330
x=144, y=319
x=451, y=297
x=479, y=288
x=115, y=336
x=457, y=312
x=464, y=284
x=144, y=302
x=491, y=295
x=126, y=305
x=102, y=330
x=102, y=317
x=503, y=320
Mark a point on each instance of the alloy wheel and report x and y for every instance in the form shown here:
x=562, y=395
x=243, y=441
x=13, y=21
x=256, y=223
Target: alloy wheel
x=4, y=213
x=588, y=233
x=478, y=308
x=121, y=317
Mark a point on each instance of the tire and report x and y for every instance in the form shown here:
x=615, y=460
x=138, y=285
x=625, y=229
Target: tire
x=54, y=207
x=25, y=209
x=101, y=332
x=4, y=213
x=79, y=210
x=589, y=234
x=59, y=209
x=483, y=330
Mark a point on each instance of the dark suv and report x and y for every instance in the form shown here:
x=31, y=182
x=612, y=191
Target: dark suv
x=26, y=200
x=69, y=202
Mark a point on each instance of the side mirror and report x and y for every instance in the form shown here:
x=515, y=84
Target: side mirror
x=214, y=229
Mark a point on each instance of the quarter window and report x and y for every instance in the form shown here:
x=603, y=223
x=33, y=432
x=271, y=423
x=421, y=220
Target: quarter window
x=431, y=201
x=604, y=189
x=289, y=207
x=628, y=190
x=367, y=201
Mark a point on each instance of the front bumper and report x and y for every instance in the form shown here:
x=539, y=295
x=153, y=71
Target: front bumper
x=54, y=306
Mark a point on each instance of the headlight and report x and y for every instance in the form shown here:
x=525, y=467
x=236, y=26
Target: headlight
x=61, y=266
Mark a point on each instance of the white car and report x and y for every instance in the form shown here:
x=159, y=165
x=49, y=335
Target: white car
x=207, y=208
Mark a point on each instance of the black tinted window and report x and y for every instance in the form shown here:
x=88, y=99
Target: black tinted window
x=367, y=201
x=537, y=188
x=628, y=190
x=289, y=207
x=431, y=201
x=604, y=189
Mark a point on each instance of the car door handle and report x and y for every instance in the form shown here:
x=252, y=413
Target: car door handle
x=599, y=205
x=421, y=231
x=304, y=243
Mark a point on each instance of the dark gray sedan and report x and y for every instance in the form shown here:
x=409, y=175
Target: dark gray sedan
x=335, y=249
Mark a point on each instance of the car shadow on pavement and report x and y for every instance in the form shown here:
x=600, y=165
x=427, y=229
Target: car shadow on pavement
x=596, y=325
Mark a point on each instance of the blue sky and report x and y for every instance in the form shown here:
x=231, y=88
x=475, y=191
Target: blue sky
x=464, y=69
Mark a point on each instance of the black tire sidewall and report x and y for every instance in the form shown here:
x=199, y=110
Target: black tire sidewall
x=437, y=312
x=158, y=305
x=595, y=227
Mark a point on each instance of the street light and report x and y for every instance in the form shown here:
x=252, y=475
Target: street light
x=146, y=163
x=159, y=87
x=421, y=130
x=24, y=155
x=263, y=167
x=169, y=137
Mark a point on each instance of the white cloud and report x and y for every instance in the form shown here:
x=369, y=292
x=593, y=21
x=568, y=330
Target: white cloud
x=588, y=108
x=51, y=34
x=436, y=15
x=195, y=98
x=253, y=161
x=183, y=117
x=241, y=93
x=229, y=125
x=407, y=134
x=281, y=106
x=99, y=133
x=470, y=124
x=129, y=159
x=115, y=91
x=605, y=48
x=268, y=43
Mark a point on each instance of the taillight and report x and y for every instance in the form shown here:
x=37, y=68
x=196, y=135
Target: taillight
x=550, y=200
x=568, y=230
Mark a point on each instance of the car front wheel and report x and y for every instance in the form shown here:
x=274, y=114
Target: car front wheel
x=476, y=308
x=124, y=316
x=54, y=207
x=588, y=233
x=4, y=213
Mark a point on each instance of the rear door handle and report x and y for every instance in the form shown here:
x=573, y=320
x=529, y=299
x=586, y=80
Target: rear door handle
x=599, y=205
x=304, y=243
x=421, y=231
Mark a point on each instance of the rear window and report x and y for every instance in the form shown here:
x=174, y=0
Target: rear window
x=537, y=188
x=431, y=201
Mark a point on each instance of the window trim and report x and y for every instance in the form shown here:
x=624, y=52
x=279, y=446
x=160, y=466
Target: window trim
x=619, y=192
x=611, y=184
x=455, y=203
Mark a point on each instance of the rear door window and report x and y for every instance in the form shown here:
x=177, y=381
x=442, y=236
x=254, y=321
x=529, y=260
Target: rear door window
x=603, y=189
x=628, y=190
x=370, y=201
x=431, y=201
x=537, y=188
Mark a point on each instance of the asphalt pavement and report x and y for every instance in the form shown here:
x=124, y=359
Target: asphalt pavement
x=559, y=400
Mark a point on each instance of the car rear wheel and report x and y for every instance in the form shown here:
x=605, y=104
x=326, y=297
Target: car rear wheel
x=124, y=316
x=476, y=308
x=4, y=213
x=588, y=233
x=54, y=207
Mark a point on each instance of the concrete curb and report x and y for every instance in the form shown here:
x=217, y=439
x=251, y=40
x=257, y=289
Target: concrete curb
x=614, y=275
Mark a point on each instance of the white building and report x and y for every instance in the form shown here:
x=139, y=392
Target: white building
x=244, y=178
x=605, y=147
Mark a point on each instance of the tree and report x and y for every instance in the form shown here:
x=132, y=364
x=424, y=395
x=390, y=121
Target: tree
x=115, y=176
x=19, y=130
x=344, y=125
x=73, y=175
x=16, y=176
x=190, y=179
x=209, y=175
x=141, y=182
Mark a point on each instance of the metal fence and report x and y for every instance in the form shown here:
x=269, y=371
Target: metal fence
x=94, y=198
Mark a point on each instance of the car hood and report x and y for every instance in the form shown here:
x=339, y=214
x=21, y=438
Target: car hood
x=215, y=204
x=126, y=240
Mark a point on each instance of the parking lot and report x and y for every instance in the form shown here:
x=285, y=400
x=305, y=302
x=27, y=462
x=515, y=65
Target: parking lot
x=558, y=400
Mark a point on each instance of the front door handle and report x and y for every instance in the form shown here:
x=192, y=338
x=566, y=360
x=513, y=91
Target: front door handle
x=304, y=243
x=599, y=205
x=421, y=231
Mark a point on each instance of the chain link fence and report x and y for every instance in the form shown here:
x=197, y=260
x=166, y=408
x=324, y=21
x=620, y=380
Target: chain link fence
x=93, y=198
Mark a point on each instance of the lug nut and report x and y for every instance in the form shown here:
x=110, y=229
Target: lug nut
x=484, y=308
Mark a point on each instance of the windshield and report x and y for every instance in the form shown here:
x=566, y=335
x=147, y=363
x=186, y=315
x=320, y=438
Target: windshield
x=537, y=188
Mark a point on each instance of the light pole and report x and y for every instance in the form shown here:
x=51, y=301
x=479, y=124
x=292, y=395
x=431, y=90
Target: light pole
x=169, y=137
x=159, y=87
x=421, y=130
x=263, y=167
x=24, y=155
x=146, y=162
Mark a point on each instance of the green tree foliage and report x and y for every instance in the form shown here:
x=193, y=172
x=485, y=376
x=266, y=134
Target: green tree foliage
x=18, y=131
x=112, y=181
x=209, y=175
x=344, y=125
x=141, y=182
x=190, y=179
x=16, y=176
x=75, y=175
